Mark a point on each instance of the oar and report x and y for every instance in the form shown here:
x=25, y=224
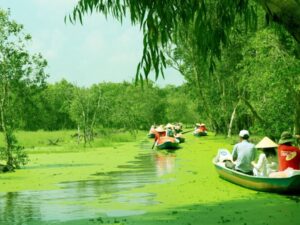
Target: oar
x=187, y=131
x=153, y=144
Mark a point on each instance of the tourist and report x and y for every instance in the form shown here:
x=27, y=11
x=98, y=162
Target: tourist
x=169, y=130
x=267, y=160
x=288, y=155
x=243, y=154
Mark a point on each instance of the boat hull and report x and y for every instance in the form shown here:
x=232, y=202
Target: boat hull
x=266, y=184
x=200, y=134
x=180, y=139
x=151, y=135
x=167, y=143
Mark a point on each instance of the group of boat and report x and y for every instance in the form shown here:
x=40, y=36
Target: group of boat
x=165, y=139
x=171, y=135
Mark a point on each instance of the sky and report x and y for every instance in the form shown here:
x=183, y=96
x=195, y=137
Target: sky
x=100, y=50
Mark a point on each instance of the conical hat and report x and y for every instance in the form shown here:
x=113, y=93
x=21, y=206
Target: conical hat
x=266, y=143
x=160, y=129
x=169, y=125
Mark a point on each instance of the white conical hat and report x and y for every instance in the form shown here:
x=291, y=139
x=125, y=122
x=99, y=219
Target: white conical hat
x=266, y=143
x=160, y=129
x=169, y=125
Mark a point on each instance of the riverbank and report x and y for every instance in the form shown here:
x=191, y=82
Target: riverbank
x=131, y=184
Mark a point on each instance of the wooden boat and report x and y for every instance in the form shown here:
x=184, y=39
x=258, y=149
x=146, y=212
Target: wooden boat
x=199, y=134
x=180, y=139
x=167, y=143
x=288, y=185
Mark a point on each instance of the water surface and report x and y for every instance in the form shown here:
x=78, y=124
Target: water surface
x=150, y=188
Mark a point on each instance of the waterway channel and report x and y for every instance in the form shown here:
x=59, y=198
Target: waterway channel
x=152, y=188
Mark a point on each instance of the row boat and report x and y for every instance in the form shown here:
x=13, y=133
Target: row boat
x=167, y=143
x=288, y=185
x=199, y=134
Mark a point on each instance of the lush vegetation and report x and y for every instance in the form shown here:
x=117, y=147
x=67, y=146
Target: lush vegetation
x=241, y=68
x=241, y=71
x=21, y=77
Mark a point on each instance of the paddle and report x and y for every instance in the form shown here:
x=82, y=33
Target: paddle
x=153, y=144
x=187, y=131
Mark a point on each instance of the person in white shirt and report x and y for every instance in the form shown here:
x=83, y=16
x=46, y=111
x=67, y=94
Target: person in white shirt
x=243, y=154
x=267, y=160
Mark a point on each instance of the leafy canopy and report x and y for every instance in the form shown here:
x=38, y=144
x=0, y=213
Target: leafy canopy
x=161, y=19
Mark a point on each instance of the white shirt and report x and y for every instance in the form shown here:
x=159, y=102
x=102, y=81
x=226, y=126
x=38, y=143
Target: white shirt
x=264, y=167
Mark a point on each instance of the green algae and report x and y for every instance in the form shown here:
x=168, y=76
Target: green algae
x=133, y=184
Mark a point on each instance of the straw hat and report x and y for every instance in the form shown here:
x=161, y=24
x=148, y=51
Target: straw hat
x=266, y=143
x=169, y=125
x=177, y=127
x=160, y=129
x=202, y=125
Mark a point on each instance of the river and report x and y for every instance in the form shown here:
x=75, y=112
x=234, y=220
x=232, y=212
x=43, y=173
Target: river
x=153, y=187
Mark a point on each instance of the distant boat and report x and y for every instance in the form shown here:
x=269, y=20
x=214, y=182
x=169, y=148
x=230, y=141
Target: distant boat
x=167, y=143
x=199, y=134
x=267, y=184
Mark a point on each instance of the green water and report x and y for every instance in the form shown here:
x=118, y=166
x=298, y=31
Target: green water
x=144, y=187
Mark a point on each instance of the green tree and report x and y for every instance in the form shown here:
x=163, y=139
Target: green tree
x=86, y=106
x=212, y=21
x=269, y=72
x=22, y=74
x=55, y=103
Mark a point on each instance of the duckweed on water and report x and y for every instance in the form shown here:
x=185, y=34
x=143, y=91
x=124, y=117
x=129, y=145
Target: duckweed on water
x=132, y=184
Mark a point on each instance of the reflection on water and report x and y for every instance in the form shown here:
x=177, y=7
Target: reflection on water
x=165, y=163
x=73, y=200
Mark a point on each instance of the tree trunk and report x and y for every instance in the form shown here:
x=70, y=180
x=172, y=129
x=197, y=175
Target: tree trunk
x=78, y=134
x=7, y=133
x=254, y=112
x=231, y=120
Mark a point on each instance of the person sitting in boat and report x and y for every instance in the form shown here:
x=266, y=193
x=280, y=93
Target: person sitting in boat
x=160, y=132
x=152, y=131
x=169, y=130
x=200, y=130
x=288, y=155
x=178, y=128
x=243, y=154
x=197, y=125
x=267, y=160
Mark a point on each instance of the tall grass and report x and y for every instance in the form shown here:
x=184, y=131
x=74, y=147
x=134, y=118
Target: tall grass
x=65, y=140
